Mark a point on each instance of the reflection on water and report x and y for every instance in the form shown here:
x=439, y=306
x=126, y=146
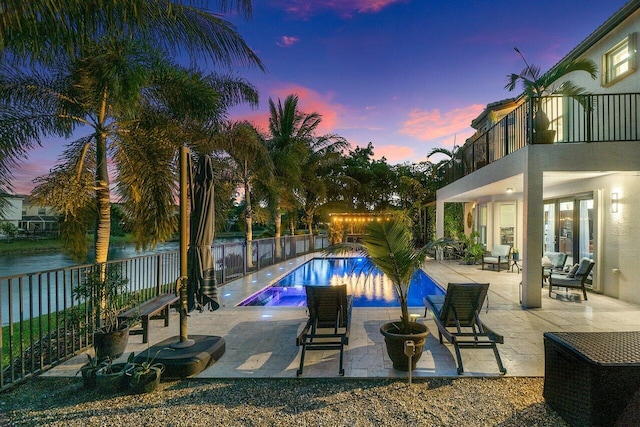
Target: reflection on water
x=11, y=265
x=368, y=286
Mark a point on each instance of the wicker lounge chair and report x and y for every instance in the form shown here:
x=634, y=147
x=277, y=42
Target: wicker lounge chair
x=457, y=315
x=500, y=255
x=329, y=308
x=566, y=281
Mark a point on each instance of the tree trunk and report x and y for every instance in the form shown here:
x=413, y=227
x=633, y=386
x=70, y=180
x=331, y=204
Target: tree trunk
x=103, y=196
x=278, y=225
x=249, y=223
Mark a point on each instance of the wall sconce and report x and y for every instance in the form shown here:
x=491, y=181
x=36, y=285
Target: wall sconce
x=614, y=202
x=509, y=190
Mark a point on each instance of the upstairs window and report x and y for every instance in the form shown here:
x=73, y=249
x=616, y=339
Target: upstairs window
x=619, y=61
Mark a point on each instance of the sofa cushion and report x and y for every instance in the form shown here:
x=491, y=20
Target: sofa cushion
x=500, y=250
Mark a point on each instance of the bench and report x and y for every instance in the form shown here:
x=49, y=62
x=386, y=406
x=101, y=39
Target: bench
x=591, y=377
x=155, y=308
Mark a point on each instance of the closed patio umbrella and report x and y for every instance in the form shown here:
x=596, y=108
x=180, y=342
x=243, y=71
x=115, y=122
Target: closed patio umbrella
x=201, y=285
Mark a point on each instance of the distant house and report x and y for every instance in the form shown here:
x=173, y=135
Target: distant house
x=38, y=219
x=13, y=211
x=579, y=194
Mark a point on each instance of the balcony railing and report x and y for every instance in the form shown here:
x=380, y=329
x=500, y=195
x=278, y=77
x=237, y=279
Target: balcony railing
x=37, y=309
x=588, y=118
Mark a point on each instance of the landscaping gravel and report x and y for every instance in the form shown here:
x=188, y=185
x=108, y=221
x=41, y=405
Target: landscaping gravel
x=506, y=401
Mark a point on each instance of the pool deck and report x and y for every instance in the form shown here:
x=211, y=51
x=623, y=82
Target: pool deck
x=260, y=341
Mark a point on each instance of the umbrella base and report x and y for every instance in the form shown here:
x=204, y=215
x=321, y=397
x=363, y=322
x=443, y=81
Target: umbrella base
x=187, y=361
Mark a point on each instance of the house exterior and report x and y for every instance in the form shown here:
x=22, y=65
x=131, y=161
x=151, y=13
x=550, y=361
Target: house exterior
x=580, y=194
x=13, y=211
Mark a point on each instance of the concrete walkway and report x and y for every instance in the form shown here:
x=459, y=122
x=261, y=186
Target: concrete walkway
x=260, y=341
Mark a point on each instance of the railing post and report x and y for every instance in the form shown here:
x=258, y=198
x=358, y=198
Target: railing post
x=244, y=258
x=224, y=265
x=530, y=121
x=159, y=275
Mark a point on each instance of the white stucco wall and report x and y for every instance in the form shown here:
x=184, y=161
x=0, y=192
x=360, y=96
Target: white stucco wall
x=13, y=212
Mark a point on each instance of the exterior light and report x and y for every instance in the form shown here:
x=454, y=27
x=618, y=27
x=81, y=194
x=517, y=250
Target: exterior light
x=614, y=202
x=509, y=190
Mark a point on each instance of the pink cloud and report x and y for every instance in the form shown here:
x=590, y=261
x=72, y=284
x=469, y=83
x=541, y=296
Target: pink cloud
x=432, y=125
x=345, y=8
x=393, y=153
x=286, y=41
x=309, y=101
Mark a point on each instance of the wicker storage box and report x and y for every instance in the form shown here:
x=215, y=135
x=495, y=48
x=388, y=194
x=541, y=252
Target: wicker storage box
x=590, y=377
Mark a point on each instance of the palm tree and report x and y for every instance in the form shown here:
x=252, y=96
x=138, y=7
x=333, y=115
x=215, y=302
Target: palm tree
x=120, y=93
x=537, y=85
x=48, y=30
x=290, y=132
x=44, y=29
x=391, y=248
x=251, y=163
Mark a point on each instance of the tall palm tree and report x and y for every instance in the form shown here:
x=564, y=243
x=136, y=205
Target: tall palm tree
x=47, y=30
x=290, y=131
x=251, y=164
x=112, y=93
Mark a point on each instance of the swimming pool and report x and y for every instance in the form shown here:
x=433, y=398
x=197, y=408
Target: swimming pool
x=369, y=287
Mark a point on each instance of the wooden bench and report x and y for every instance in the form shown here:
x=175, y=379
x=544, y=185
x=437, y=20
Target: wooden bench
x=155, y=308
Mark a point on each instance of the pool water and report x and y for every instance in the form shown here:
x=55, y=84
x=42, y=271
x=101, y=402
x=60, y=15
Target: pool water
x=368, y=286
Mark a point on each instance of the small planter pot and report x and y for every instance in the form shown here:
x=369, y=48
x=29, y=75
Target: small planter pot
x=145, y=382
x=112, y=344
x=395, y=344
x=111, y=379
x=89, y=378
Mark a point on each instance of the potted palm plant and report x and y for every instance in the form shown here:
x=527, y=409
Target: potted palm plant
x=102, y=291
x=537, y=85
x=389, y=245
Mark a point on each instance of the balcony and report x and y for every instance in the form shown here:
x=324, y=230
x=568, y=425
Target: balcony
x=589, y=118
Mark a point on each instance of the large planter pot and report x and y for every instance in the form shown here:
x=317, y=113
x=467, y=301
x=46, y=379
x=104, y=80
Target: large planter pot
x=544, y=137
x=111, y=344
x=395, y=343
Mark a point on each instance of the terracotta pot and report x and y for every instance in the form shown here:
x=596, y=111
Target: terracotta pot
x=111, y=344
x=395, y=343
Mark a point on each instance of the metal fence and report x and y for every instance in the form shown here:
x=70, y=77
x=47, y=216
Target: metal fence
x=588, y=118
x=37, y=309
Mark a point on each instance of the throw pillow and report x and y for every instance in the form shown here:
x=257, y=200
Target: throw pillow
x=572, y=272
x=546, y=262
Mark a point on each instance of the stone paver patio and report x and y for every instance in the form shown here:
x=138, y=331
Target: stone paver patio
x=260, y=341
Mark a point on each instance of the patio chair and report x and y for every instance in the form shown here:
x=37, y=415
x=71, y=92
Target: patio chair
x=565, y=280
x=457, y=315
x=329, y=307
x=557, y=261
x=500, y=254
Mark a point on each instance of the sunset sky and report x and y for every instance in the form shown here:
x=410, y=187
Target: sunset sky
x=406, y=75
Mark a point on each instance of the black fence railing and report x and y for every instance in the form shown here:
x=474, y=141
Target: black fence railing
x=37, y=310
x=588, y=118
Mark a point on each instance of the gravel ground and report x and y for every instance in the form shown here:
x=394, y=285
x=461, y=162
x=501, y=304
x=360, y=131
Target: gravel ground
x=284, y=402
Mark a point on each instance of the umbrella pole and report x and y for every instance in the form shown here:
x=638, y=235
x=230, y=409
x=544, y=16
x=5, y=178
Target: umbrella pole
x=184, y=243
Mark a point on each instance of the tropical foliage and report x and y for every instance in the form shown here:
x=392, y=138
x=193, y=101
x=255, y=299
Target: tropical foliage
x=391, y=248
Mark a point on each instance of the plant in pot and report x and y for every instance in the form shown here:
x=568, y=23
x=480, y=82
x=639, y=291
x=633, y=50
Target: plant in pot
x=536, y=86
x=389, y=245
x=110, y=377
x=473, y=251
x=144, y=377
x=88, y=371
x=102, y=292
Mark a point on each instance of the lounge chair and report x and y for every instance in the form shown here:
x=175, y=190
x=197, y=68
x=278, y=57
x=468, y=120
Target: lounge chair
x=329, y=308
x=457, y=315
x=557, y=262
x=500, y=254
x=564, y=280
